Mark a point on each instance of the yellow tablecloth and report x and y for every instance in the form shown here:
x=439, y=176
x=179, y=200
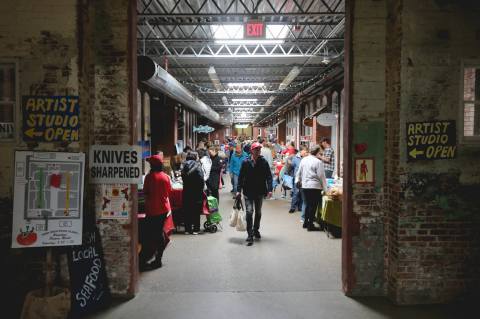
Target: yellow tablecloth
x=330, y=212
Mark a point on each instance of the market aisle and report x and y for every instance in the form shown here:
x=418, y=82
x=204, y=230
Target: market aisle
x=290, y=273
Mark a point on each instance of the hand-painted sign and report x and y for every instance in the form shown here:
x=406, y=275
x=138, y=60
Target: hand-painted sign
x=51, y=118
x=115, y=164
x=48, y=199
x=431, y=140
x=88, y=280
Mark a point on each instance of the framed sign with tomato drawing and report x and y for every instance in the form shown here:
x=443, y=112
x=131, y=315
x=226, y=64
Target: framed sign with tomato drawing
x=365, y=170
x=48, y=197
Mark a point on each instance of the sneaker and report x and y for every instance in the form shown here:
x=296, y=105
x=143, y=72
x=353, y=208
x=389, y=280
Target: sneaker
x=291, y=211
x=195, y=233
x=256, y=234
x=302, y=220
x=187, y=233
x=249, y=239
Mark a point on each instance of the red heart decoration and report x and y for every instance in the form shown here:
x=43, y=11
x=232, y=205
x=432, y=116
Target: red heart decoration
x=361, y=148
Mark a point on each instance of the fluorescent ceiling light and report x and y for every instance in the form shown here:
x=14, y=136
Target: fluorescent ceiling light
x=277, y=31
x=294, y=72
x=244, y=100
x=242, y=125
x=243, y=114
x=227, y=31
x=214, y=78
x=270, y=100
x=248, y=42
x=245, y=84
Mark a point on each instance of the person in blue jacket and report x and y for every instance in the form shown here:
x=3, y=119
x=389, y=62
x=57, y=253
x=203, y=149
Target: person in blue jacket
x=235, y=164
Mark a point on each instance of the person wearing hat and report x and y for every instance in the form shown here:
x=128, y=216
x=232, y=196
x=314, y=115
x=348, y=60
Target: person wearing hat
x=157, y=189
x=255, y=181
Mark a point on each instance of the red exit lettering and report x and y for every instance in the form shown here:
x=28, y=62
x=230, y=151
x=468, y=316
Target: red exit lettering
x=255, y=30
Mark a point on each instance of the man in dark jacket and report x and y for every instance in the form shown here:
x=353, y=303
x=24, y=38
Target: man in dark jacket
x=192, y=197
x=255, y=180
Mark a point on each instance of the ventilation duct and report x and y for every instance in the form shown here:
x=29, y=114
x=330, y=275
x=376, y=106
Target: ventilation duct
x=154, y=76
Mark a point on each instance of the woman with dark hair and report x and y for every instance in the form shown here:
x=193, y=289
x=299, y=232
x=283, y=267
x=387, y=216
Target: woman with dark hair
x=193, y=185
x=157, y=189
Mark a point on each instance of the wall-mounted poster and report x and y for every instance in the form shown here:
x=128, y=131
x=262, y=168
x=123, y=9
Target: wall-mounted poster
x=48, y=197
x=365, y=170
x=112, y=201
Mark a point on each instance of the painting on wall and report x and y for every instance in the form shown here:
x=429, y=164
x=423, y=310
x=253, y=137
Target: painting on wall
x=365, y=170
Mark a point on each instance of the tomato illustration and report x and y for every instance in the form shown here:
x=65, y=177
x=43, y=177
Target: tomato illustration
x=27, y=238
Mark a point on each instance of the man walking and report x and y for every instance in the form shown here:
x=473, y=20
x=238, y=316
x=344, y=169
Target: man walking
x=297, y=202
x=311, y=176
x=255, y=180
x=235, y=164
x=328, y=157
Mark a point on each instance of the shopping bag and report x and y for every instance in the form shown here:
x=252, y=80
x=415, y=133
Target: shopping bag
x=237, y=206
x=287, y=181
x=233, y=217
x=241, y=221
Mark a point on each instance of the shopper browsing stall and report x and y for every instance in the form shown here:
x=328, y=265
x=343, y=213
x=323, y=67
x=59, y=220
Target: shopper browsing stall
x=157, y=189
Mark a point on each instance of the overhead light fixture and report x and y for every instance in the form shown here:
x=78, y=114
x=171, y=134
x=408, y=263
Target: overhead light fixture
x=243, y=84
x=224, y=100
x=214, y=78
x=248, y=42
x=227, y=31
x=326, y=60
x=294, y=72
x=244, y=100
x=277, y=31
x=269, y=100
x=241, y=125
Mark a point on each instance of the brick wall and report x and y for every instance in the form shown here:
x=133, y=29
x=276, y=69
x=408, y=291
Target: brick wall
x=368, y=118
x=107, y=84
x=46, y=52
x=434, y=243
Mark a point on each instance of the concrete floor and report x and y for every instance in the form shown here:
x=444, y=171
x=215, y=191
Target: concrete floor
x=290, y=273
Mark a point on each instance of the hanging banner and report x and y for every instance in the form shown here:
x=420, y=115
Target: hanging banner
x=115, y=164
x=48, y=197
x=431, y=140
x=112, y=201
x=88, y=280
x=51, y=118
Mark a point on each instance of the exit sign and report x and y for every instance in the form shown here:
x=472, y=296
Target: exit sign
x=254, y=29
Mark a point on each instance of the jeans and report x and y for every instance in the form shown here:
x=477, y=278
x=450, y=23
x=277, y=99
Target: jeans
x=250, y=203
x=296, y=203
x=328, y=174
x=304, y=204
x=235, y=182
x=313, y=198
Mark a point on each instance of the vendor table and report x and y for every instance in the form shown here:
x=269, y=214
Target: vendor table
x=331, y=215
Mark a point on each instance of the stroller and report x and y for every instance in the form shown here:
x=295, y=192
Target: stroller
x=214, y=218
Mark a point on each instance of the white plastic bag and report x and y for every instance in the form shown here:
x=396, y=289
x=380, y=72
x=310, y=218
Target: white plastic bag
x=241, y=221
x=233, y=217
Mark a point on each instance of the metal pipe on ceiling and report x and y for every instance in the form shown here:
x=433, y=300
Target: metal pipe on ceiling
x=156, y=77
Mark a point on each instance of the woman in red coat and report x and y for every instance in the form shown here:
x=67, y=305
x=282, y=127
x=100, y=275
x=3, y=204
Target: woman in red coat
x=157, y=189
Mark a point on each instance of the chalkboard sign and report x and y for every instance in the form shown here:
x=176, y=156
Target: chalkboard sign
x=88, y=278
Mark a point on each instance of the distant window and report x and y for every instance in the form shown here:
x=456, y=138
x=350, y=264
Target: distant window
x=7, y=100
x=471, y=104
